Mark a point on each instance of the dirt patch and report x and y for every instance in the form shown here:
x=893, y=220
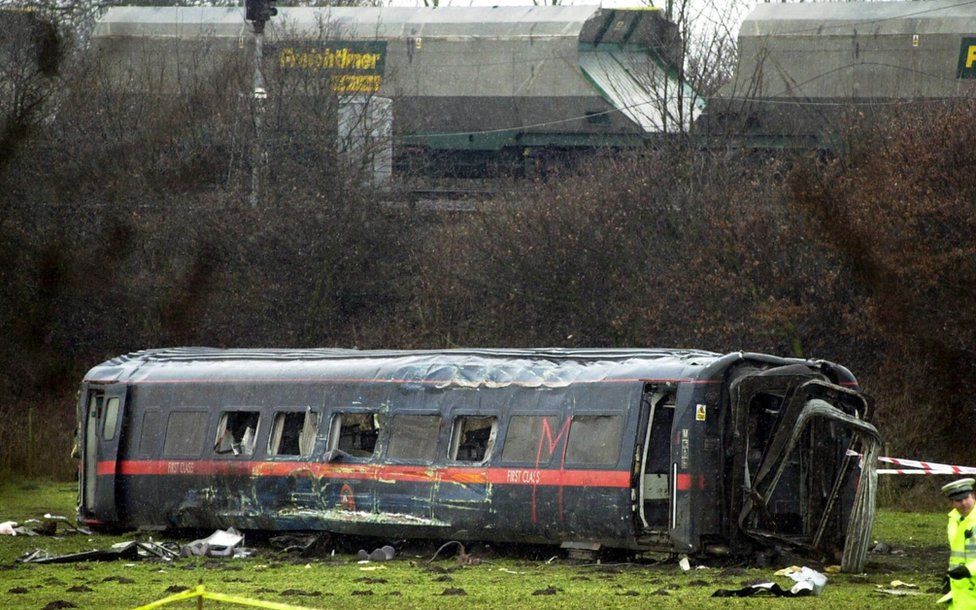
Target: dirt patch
x=547, y=591
x=175, y=589
x=454, y=591
x=443, y=578
x=300, y=592
x=363, y=592
x=18, y=590
x=630, y=593
x=59, y=603
x=122, y=580
x=369, y=580
x=79, y=589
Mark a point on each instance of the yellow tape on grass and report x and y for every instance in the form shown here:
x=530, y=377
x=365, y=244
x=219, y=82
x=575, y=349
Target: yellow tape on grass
x=200, y=593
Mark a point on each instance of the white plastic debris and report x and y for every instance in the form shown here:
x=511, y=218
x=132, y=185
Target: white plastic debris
x=684, y=564
x=808, y=579
x=7, y=528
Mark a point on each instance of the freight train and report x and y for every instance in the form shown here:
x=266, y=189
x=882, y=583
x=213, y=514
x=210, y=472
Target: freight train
x=472, y=86
x=669, y=450
x=478, y=84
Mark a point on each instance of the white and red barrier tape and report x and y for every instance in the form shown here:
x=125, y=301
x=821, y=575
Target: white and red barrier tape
x=918, y=467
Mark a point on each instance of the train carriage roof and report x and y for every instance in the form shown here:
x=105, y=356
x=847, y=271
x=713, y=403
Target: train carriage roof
x=352, y=22
x=439, y=368
x=820, y=19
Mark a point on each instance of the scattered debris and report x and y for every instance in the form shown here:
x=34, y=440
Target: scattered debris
x=684, y=564
x=7, y=528
x=384, y=553
x=307, y=545
x=221, y=543
x=463, y=558
x=808, y=582
x=122, y=550
x=898, y=592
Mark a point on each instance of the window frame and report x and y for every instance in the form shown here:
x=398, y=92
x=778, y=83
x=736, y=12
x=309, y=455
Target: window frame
x=558, y=415
x=159, y=432
x=203, y=443
x=222, y=413
x=455, y=438
x=621, y=417
x=388, y=430
x=275, y=413
x=335, y=417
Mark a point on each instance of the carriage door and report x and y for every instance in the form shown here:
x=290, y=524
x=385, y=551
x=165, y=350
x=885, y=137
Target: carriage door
x=103, y=430
x=655, y=486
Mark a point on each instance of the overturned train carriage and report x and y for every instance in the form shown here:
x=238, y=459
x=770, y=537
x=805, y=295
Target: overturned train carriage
x=682, y=451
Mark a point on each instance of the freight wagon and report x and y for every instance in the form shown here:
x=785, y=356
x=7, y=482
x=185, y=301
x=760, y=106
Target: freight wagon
x=469, y=84
x=807, y=71
x=678, y=451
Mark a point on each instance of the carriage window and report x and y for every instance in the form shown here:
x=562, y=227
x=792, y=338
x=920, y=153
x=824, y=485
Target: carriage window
x=237, y=432
x=524, y=438
x=293, y=433
x=185, y=432
x=111, y=419
x=594, y=440
x=473, y=438
x=149, y=437
x=414, y=437
x=354, y=433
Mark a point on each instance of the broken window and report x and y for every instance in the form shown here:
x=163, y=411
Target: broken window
x=594, y=440
x=524, y=439
x=111, y=418
x=414, y=437
x=293, y=433
x=185, y=431
x=473, y=438
x=354, y=433
x=237, y=432
x=149, y=437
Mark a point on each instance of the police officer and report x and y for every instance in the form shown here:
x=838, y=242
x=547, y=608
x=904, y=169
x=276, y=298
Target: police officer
x=961, y=574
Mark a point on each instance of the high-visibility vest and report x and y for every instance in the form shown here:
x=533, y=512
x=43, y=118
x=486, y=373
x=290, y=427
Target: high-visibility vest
x=962, y=550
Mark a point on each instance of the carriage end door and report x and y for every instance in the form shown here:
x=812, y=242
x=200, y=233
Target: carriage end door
x=103, y=432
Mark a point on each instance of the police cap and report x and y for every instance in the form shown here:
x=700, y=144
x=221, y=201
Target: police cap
x=959, y=489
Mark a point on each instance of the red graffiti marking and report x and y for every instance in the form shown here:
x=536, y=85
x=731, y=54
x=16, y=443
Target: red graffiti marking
x=551, y=444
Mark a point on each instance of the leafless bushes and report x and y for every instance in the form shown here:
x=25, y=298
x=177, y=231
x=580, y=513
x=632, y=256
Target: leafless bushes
x=899, y=209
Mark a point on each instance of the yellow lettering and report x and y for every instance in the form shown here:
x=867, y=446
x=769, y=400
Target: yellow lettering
x=287, y=58
x=970, y=56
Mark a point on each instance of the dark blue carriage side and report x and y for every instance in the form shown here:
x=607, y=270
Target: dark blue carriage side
x=633, y=449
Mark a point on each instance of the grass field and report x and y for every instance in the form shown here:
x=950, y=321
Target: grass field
x=409, y=582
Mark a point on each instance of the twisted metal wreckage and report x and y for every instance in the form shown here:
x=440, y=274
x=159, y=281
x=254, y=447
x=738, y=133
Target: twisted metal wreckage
x=648, y=450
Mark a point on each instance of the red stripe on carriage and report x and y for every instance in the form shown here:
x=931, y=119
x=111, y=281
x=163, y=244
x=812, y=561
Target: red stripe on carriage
x=381, y=473
x=686, y=480
x=105, y=468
